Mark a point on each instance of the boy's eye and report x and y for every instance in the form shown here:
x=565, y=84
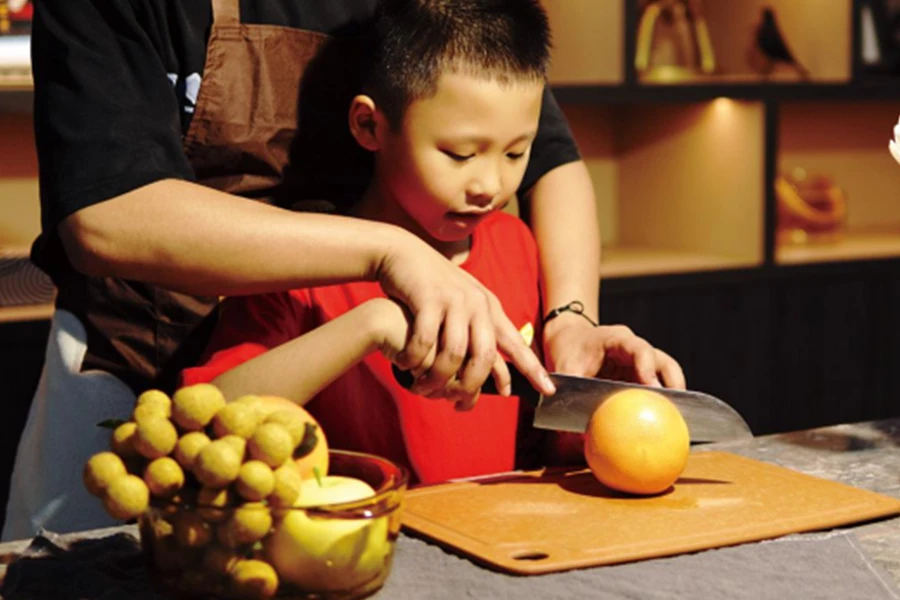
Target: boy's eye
x=515, y=155
x=458, y=157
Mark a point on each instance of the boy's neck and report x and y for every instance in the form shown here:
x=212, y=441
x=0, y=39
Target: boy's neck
x=376, y=205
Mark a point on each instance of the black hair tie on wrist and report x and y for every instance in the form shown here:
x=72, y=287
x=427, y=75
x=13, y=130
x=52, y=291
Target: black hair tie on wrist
x=573, y=307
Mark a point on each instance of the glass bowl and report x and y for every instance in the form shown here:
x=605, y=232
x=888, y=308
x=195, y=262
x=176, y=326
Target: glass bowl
x=337, y=550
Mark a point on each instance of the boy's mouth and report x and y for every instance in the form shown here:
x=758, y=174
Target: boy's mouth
x=469, y=217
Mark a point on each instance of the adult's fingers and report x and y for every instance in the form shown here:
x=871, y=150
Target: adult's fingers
x=670, y=370
x=580, y=364
x=423, y=339
x=423, y=366
x=641, y=354
x=511, y=344
x=466, y=403
x=502, y=376
x=483, y=357
x=450, y=354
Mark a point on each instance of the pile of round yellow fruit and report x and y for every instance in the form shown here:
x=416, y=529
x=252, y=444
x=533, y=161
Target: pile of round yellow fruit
x=215, y=486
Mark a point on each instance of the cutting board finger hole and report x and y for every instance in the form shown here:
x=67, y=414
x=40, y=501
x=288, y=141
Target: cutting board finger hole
x=530, y=555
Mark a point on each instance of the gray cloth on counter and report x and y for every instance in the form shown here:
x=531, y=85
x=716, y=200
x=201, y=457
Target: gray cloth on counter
x=830, y=565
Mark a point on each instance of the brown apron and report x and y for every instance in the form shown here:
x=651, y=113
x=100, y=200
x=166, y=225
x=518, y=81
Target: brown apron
x=249, y=135
x=254, y=134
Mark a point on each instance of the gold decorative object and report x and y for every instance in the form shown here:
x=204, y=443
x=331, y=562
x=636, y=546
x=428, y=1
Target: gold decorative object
x=673, y=41
x=811, y=209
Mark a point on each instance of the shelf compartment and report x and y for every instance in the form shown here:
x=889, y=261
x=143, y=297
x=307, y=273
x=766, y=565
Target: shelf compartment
x=588, y=41
x=620, y=262
x=847, y=142
x=856, y=245
x=817, y=33
x=679, y=188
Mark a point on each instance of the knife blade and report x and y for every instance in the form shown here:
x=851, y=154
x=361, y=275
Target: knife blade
x=708, y=418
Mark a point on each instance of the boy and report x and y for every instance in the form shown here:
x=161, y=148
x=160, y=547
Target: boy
x=450, y=111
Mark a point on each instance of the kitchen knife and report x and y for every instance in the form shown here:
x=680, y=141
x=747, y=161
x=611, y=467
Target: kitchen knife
x=708, y=418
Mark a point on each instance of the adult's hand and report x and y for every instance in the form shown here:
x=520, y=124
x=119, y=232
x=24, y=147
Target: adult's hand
x=460, y=320
x=575, y=347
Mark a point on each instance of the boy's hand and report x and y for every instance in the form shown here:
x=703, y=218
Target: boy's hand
x=458, y=322
x=390, y=324
x=575, y=347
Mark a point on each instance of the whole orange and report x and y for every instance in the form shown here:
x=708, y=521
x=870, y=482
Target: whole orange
x=637, y=442
x=318, y=457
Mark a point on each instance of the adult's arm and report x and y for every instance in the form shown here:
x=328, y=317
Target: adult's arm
x=561, y=208
x=117, y=189
x=558, y=203
x=564, y=221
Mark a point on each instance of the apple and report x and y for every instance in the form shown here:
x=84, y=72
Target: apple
x=327, y=554
x=318, y=457
x=333, y=489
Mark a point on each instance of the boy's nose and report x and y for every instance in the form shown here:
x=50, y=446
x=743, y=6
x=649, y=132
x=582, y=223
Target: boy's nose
x=481, y=200
x=484, y=190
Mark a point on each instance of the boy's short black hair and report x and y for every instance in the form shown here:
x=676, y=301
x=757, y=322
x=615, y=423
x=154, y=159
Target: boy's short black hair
x=415, y=41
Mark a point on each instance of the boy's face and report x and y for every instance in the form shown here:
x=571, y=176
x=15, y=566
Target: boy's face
x=459, y=154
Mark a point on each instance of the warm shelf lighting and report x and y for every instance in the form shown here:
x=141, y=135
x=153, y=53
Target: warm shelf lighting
x=723, y=106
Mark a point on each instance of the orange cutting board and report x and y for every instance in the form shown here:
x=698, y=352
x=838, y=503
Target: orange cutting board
x=545, y=521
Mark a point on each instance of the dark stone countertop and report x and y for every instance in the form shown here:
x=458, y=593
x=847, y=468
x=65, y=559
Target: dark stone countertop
x=864, y=455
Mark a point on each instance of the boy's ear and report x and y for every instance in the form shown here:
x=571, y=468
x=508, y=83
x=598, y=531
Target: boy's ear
x=366, y=122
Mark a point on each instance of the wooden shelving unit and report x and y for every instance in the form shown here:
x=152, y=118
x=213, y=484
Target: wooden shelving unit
x=684, y=171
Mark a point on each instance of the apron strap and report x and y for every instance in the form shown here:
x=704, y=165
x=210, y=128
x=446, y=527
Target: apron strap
x=226, y=12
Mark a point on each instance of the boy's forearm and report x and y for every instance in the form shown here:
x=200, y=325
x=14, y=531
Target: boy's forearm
x=564, y=220
x=302, y=367
x=194, y=239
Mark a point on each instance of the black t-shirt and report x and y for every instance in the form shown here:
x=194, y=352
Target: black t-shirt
x=116, y=81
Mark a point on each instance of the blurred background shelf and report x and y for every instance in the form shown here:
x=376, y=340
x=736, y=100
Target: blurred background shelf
x=15, y=58
x=30, y=312
x=712, y=88
x=589, y=41
x=847, y=142
x=855, y=246
x=16, y=82
x=666, y=183
x=618, y=261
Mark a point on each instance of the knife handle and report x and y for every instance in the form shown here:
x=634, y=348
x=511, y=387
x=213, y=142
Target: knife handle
x=521, y=387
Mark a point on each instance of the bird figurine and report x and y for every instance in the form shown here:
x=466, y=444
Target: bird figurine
x=770, y=48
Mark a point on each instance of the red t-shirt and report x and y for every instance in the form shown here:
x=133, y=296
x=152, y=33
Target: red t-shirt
x=366, y=409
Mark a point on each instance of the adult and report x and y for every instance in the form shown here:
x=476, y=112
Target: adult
x=154, y=121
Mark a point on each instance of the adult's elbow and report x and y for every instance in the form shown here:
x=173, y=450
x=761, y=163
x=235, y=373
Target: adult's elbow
x=87, y=244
